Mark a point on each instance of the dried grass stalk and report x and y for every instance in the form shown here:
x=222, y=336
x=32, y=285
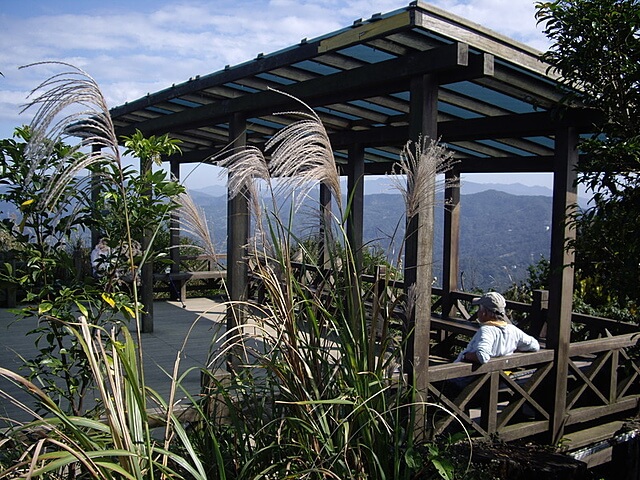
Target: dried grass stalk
x=69, y=104
x=420, y=163
x=302, y=153
x=244, y=165
x=192, y=220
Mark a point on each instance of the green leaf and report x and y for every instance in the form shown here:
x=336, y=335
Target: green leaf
x=44, y=307
x=413, y=459
x=82, y=308
x=443, y=467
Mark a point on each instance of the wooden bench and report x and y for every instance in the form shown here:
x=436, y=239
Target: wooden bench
x=193, y=268
x=178, y=281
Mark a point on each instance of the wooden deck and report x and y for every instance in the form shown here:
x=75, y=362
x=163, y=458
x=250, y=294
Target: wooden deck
x=510, y=398
x=171, y=327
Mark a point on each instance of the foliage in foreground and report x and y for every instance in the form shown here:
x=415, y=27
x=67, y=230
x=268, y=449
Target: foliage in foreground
x=317, y=389
x=603, y=33
x=45, y=258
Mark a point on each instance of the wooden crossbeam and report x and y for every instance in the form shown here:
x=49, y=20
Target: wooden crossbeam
x=525, y=395
x=370, y=80
x=587, y=380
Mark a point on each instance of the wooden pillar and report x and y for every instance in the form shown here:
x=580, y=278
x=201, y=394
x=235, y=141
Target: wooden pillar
x=146, y=273
x=238, y=220
x=96, y=181
x=174, y=224
x=355, y=218
x=418, y=256
x=561, y=268
x=326, y=236
x=355, y=193
x=538, y=317
x=451, y=247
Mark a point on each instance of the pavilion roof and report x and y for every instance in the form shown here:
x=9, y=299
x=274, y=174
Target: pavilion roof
x=496, y=99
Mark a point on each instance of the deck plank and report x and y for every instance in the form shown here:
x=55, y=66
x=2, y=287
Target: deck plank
x=160, y=348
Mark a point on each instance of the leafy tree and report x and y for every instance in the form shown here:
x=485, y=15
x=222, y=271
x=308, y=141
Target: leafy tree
x=596, y=51
x=150, y=149
x=41, y=236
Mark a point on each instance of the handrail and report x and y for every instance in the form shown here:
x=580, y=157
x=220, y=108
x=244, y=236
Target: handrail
x=536, y=310
x=447, y=371
x=604, y=344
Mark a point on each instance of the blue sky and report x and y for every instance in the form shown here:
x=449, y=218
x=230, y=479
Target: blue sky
x=135, y=47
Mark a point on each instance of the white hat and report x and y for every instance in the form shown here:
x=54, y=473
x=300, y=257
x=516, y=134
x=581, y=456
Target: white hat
x=492, y=301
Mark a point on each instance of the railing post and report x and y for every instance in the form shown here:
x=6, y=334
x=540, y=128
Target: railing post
x=561, y=267
x=538, y=317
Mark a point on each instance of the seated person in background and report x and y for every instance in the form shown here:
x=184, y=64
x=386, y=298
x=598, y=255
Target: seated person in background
x=497, y=335
x=100, y=258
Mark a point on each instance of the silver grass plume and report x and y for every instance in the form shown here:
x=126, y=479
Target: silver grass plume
x=420, y=164
x=192, y=220
x=245, y=167
x=302, y=154
x=69, y=104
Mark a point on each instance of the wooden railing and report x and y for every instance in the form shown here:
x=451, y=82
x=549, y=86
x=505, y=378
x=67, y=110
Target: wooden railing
x=503, y=396
x=603, y=378
x=513, y=397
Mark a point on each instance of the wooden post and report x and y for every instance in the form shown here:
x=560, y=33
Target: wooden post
x=419, y=244
x=326, y=236
x=174, y=236
x=539, y=308
x=355, y=192
x=174, y=223
x=96, y=181
x=146, y=273
x=561, y=268
x=450, y=253
x=355, y=218
x=237, y=241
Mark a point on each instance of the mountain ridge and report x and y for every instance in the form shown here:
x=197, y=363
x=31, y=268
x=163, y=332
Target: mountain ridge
x=385, y=185
x=501, y=234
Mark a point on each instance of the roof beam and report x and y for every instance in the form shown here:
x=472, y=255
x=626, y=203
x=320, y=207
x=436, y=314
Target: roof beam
x=502, y=126
x=384, y=77
x=195, y=84
x=536, y=164
x=517, y=125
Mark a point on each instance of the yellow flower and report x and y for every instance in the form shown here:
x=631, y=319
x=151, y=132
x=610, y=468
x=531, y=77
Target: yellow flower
x=107, y=299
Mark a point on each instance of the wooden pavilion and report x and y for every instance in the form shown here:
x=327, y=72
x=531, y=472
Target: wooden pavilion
x=420, y=71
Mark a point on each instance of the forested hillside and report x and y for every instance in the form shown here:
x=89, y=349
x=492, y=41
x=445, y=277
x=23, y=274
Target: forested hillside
x=501, y=234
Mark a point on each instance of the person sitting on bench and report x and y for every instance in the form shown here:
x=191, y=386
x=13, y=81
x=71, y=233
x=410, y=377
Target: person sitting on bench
x=497, y=336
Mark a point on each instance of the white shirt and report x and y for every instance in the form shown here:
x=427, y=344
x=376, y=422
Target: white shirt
x=492, y=341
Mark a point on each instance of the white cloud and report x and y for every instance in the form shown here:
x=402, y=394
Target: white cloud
x=513, y=18
x=132, y=48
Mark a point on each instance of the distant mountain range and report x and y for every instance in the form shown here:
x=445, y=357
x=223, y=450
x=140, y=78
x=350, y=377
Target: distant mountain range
x=384, y=185
x=502, y=231
x=504, y=228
